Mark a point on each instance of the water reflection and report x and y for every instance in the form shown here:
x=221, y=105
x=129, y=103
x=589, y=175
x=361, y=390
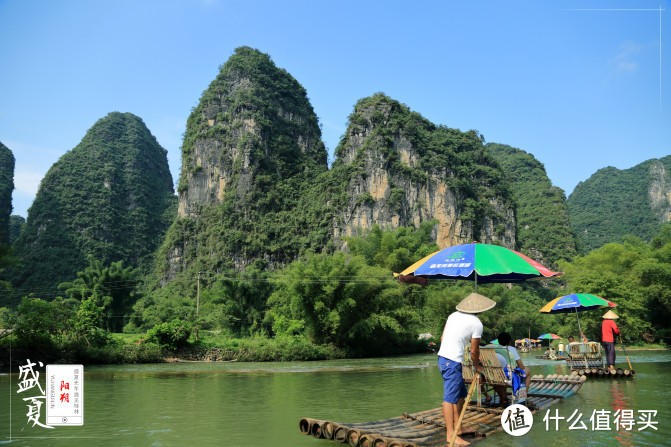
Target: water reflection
x=252, y=404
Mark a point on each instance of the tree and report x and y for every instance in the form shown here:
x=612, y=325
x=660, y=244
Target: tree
x=626, y=274
x=394, y=250
x=40, y=324
x=112, y=288
x=237, y=303
x=344, y=302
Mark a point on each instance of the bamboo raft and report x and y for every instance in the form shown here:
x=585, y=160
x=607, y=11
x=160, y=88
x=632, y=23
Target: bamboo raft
x=597, y=370
x=427, y=428
x=586, y=359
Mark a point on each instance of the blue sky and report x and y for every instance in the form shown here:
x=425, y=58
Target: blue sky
x=581, y=85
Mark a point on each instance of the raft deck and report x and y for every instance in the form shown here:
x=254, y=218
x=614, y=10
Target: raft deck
x=427, y=428
x=595, y=368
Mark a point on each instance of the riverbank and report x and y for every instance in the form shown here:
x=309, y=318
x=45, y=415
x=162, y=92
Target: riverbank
x=644, y=349
x=209, y=347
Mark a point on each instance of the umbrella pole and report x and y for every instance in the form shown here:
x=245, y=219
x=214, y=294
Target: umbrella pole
x=476, y=280
x=580, y=330
x=576, y=315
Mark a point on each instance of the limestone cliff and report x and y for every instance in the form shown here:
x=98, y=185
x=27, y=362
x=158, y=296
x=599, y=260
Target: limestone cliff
x=404, y=170
x=253, y=120
x=251, y=150
x=659, y=191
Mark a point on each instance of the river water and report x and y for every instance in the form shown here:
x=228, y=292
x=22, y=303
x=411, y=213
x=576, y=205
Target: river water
x=260, y=404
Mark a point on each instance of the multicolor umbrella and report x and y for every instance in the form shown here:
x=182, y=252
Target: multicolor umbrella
x=576, y=302
x=549, y=337
x=494, y=342
x=482, y=263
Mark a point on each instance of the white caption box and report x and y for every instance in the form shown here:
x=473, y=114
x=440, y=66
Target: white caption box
x=65, y=395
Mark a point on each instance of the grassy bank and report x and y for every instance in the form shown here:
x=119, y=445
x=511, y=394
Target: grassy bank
x=210, y=346
x=645, y=347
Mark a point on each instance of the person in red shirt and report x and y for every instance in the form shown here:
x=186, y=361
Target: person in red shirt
x=608, y=332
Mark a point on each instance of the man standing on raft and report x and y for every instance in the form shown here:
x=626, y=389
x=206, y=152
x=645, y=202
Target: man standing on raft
x=461, y=327
x=608, y=331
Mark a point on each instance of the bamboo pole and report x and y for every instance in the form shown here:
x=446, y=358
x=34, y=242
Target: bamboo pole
x=316, y=429
x=353, y=435
x=625, y=354
x=340, y=435
x=476, y=379
x=305, y=425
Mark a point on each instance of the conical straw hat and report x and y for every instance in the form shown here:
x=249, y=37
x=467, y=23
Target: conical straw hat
x=475, y=303
x=610, y=315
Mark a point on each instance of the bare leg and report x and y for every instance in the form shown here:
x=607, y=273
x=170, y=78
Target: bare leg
x=528, y=379
x=451, y=414
x=501, y=391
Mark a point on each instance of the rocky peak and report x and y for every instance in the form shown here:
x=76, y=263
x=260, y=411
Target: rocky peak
x=659, y=191
x=251, y=149
x=253, y=120
x=406, y=170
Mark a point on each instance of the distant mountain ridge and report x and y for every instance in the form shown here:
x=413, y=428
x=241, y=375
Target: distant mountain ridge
x=614, y=203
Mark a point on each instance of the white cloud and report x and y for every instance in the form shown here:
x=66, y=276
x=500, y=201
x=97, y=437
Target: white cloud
x=27, y=182
x=625, y=60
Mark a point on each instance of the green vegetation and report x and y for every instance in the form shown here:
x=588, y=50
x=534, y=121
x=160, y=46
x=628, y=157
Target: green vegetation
x=543, y=228
x=171, y=334
x=110, y=197
x=6, y=188
x=635, y=276
x=394, y=250
x=338, y=299
x=614, y=203
x=111, y=291
x=16, y=224
x=52, y=330
x=340, y=305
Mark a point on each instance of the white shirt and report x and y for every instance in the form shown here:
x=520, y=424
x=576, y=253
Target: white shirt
x=504, y=360
x=460, y=327
x=561, y=347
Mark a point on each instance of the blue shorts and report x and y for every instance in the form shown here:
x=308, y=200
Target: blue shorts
x=453, y=382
